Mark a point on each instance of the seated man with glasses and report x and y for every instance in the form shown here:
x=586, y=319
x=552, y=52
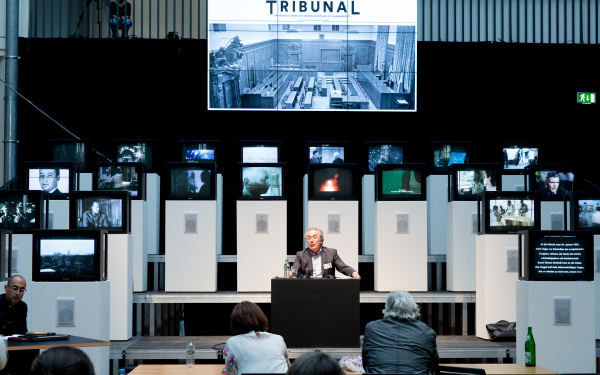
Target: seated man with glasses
x=13, y=311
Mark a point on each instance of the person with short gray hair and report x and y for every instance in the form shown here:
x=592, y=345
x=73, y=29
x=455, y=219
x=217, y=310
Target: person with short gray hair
x=400, y=343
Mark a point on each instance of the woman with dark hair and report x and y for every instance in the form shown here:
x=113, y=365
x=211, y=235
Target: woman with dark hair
x=252, y=349
x=62, y=360
x=315, y=363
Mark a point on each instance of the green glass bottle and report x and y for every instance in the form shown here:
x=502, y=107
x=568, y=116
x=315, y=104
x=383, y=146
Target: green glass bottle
x=529, y=349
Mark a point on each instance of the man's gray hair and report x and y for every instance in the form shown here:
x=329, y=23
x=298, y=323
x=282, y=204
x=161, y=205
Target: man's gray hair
x=401, y=305
x=317, y=229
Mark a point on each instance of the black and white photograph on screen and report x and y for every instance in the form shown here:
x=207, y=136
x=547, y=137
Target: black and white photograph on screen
x=319, y=55
x=133, y=153
x=118, y=178
x=99, y=213
x=50, y=180
x=191, y=182
x=17, y=213
x=519, y=158
x=262, y=181
x=66, y=257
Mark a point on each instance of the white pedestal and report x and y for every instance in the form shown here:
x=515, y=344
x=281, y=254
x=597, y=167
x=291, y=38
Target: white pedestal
x=368, y=213
x=139, y=224
x=86, y=181
x=597, y=284
x=190, y=246
x=58, y=214
x=564, y=347
x=153, y=213
x=552, y=215
x=497, y=272
x=89, y=312
x=261, y=243
x=120, y=274
x=437, y=201
x=512, y=182
x=22, y=260
x=339, y=222
x=462, y=235
x=401, y=246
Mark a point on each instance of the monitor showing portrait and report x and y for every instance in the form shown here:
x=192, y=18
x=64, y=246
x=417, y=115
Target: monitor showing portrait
x=107, y=210
x=553, y=181
x=262, y=180
x=192, y=180
x=57, y=179
x=466, y=181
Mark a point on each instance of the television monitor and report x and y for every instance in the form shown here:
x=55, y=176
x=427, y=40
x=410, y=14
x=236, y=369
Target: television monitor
x=260, y=151
x=384, y=153
x=517, y=157
x=262, y=180
x=56, y=178
x=327, y=152
x=584, y=210
x=508, y=212
x=135, y=151
x=400, y=182
x=446, y=154
x=466, y=181
x=71, y=150
x=332, y=181
x=23, y=210
x=5, y=254
x=121, y=176
x=554, y=182
x=107, y=210
x=192, y=181
x=547, y=255
x=69, y=255
x=199, y=151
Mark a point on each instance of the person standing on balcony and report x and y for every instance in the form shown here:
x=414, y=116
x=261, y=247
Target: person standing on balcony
x=120, y=18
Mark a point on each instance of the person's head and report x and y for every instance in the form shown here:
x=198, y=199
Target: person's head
x=62, y=360
x=246, y=317
x=256, y=181
x=552, y=181
x=314, y=239
x=49, y=179
x=95, y=208
x=15, y=289
x=401, y=305
x=315, y=363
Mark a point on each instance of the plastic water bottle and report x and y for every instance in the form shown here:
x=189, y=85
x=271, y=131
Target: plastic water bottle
x=286, y=269
x=189, y=355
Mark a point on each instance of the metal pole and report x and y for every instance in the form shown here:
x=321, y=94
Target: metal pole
x=10, y=96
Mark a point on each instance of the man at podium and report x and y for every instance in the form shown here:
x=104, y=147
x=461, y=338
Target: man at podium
x=319, y=261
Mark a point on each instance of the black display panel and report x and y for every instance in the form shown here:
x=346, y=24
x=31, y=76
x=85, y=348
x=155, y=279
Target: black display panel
x=262, y=181
x=107, y=210
x=508, y=212
x=384, y=153
x=57, y=179
x=584, y=210
x=553, y=181
x=68, y=255
x=332, y=181
x=446, y=154
x=135, y=151
x=516, y=157
x=258, y=152
x=467, y=181
x=556, y=255
x=192, y=181
x=121, y=176
x=23, y=210
x=400, y=182
x=70, y=150
x=326, y=152
x=199, y=151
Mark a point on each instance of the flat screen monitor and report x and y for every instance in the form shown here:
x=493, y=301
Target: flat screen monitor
x=516, y=158
x=262, y=180
x=257, y=152
x=508, y=212
x=327, y=152
x=107, y=210
x=585, y=210
x=400, y=182
x=554, y=182
x=121, y=176
x=23, y=210
x=57, y=179
x=74, y=151
x=192, y=181
x=332, y=181
x=135, y=151
x=384, y=153
x=466, y=181
x=450, y=153
x=546, y=255
x=67, y=255
x=199, y=151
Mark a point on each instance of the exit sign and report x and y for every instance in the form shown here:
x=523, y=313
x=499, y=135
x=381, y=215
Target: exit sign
x=586, y=97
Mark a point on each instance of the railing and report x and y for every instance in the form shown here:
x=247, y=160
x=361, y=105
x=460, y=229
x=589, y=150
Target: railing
x=515, y=21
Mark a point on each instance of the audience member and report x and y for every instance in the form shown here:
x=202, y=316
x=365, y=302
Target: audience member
x=120, y=18
x=62, y=360
x=400, y=343
x=252, y=349
x=315, y=363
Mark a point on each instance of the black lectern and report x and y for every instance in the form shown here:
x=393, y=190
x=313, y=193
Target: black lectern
x=312, y=313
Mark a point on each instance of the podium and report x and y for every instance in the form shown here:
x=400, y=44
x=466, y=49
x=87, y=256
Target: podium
x=313, y=313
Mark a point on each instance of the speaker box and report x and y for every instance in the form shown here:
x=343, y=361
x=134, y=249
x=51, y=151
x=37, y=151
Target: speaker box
x=334, y=222
x=262, y=222
x=190, y=222
x=402, y=222
x=512, y=260
x=562, y=310
x=65, y=312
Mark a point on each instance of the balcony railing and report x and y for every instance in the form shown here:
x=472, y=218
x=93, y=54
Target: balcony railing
x=151, y=19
